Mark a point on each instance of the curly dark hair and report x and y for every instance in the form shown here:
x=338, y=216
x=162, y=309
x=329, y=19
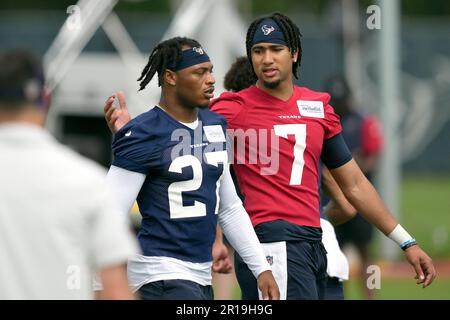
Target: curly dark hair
x=240, y=75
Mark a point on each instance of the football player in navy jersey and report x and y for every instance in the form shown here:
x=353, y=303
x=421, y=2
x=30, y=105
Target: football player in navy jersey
x=173, y=159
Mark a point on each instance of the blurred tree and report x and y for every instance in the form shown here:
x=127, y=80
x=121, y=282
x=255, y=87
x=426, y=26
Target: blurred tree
x=35, y=4
x=248, y=7
x=163, y=6
x=409, y=7
x=258, y=7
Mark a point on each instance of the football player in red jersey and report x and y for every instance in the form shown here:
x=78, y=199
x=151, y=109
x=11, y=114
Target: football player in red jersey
x=281, y=191
x=241, y=76
x=284, y=206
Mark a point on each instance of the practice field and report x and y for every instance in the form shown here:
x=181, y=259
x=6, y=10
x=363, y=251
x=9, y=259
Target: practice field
x=425, y=205
x=403, y=289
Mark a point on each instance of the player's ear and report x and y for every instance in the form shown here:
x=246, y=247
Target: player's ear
x=46, y=99
x=295, y=56
x=170, y=77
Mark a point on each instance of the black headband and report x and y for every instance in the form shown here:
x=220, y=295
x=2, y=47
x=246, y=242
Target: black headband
x=269, y=31
x=190, y=57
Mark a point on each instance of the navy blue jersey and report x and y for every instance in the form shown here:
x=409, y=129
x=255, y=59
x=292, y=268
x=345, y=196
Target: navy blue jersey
x=179, y=198
x=351, y=129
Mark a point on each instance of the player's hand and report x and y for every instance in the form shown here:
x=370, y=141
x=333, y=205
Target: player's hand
x=116, y=117
x=221, y=258
x=425, y=272
x=268, y=286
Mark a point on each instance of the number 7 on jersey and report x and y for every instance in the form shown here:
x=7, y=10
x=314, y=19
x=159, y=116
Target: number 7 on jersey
x=299, y=132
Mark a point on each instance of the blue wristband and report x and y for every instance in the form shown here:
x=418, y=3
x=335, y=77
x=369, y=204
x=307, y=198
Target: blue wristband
x=408, y=243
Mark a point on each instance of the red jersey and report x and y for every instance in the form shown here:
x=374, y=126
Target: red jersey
x=288, y=133
x=371, y=137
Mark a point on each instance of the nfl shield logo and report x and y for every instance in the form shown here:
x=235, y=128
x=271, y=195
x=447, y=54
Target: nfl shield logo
x=270, y=259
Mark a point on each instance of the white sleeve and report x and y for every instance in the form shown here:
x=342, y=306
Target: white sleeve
x=125, y=185
x=113, y=242
x=237, y=227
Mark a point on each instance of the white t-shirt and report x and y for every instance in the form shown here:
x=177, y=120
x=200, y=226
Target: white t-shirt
x=58, y=222
x=337, y=265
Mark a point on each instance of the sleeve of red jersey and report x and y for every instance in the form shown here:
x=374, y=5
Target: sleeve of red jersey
x=332, y=121
x=228, y=104
x=371, y=137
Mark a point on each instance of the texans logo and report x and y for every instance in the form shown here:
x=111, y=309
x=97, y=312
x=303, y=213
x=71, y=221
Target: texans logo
x=267, y=30
x=198, y=50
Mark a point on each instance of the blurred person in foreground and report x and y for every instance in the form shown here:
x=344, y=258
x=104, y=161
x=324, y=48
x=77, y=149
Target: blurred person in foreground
x=363, y=137
x=57, y=221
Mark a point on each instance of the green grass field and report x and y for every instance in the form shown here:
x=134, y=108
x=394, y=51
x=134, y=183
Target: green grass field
x=402, y=289
x=425, y=213
x=394, y=289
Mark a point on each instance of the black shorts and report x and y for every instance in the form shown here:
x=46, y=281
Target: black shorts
x=335, y=289
x=305, y=265
x=356, y=231
x=175, y=290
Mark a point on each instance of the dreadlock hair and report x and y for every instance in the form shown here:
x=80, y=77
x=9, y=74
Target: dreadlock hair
x=240, y=75
x=290, y=31
x=164, y=56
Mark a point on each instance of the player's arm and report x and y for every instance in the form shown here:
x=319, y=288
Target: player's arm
x=239, y=231
x=125, y=186
x=363, y=196
x=221, y=256
x=338, y=210
x=115, y=283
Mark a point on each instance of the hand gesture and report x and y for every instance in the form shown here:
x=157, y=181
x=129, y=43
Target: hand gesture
x=116, y=117
x=425, y=272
